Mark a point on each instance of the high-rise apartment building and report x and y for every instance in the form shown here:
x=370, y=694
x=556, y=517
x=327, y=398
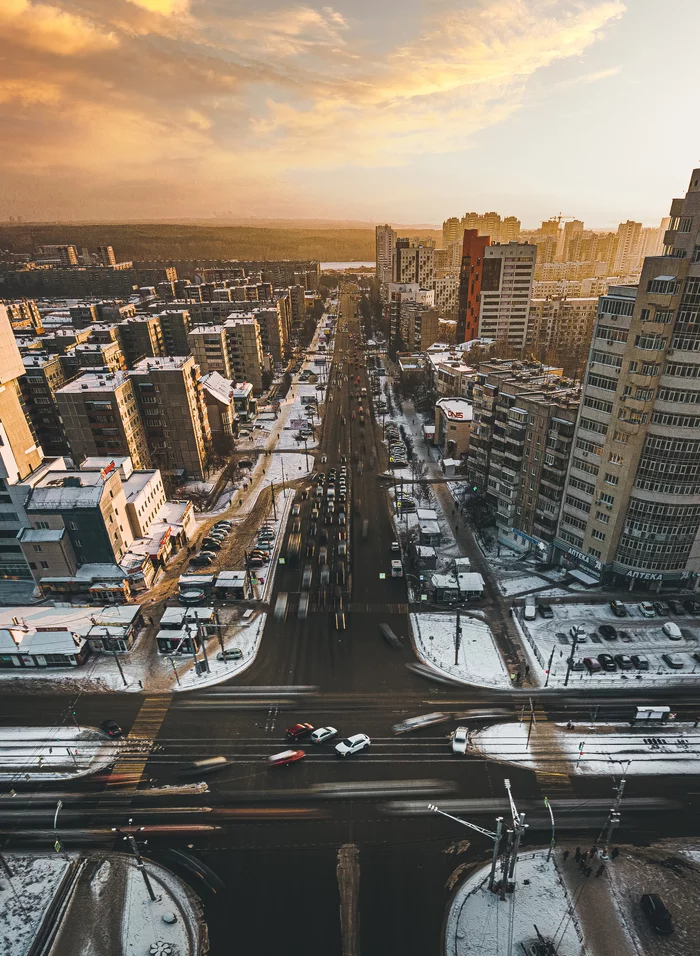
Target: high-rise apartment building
x=447, y=294
x=629, y=235
x=401, y=296
x=560, y=323
x=209, y=346
x=385, y=240
x=106, y=256
x=141, y=337
x=451, y=231
x=245, y=350
x=470, y=277
x=174, y=413
x=175, y=326
x=414, y=263
x=101, y=418
x=43, y=376
x=506, y=288
x=632, y=505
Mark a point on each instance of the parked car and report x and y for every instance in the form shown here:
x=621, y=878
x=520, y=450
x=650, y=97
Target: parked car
x=641, y=663
x=211, y=544
x=577, y=632
x=692, y=607
x=266, y=532
x=323, y=734
x=656, y=912
x=608, y=632
x=460, y=740
x=677, y=608
x=111, y=728
x=607, y=662
x=296, y=510
x=299, y=730
x=672, y=631
x=352, y=745
x=285, y=757
x=675, y=663
x=592, y=665
x=233, y=654
x=575, y=665
x=618, y=609
x=623, y=662
x=646, y=609
x=661, y=608
x=545, y=611
x=202, y=560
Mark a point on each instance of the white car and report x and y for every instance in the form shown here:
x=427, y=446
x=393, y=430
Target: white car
x=646, y=609
x=459, y=740
x=323, y=734
x=578, y=632
x=352, y=745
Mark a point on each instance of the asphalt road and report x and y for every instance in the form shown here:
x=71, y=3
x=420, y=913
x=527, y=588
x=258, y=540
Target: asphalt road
x=334, y=856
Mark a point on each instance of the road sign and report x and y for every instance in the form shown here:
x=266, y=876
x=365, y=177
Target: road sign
x=382, y=575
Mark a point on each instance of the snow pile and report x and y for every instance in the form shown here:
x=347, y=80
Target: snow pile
x=479, y=660
x=25, y=897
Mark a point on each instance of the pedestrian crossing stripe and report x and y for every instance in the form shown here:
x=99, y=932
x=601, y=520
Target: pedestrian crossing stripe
x=378, y=608
x=142, y=736
x=553, y=783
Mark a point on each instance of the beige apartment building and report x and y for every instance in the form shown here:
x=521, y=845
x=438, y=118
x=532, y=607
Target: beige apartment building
x=174, y=413
x=245, y=350
x=101, y=418
x=209, y=346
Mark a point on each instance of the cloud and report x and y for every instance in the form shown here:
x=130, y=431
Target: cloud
x=200, y=99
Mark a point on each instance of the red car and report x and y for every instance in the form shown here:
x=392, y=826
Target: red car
x=285, y=757
x=299, y=730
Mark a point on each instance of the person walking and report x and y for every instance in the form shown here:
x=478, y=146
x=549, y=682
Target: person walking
x=577, y=855
x=600, y=870
x=566, y=855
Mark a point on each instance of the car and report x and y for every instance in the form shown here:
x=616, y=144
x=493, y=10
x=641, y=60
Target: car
x=306, y=576
x=233, y=654
x=607, y=662
x=299, y=730
x=395, y=547
x=577, y=632
x=296, y=526
x=623, y=662
x=460, y=739
x=254, y=562
x=224, y=523
x=315, y=512
x=352, y=745
x=677, y=608
x=592, y=665
x=267, y=532
x=424, y=720
x=322, y=734
x=264, y=544
x=324, y=459
x=202, y=560
x=546, y=611
x=661, y=608
x=672, y=631
x=340, y=621
x=342, y=548
x=608, y=632
x=325, y=575
x=575, y=665
x=310, y=549
x=245, y=462
x=211, y=544
x=618, y=609
x=324, y=536
x=396, y=569
x=192, y=596
x=656, y=912
x=641, y=663
x=285, y=757
x=111, y=728
x=303, y=606
x=322, y=555
x=296, y=511
x=343, y=460
x=260, y=553
x=692, y=607
x=646, y=609
x=672, y=661
x=389, y=636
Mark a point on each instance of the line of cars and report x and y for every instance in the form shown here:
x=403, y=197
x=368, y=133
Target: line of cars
x=259, y=555
x=306, y=732
x=211, y=544
x=613, y=662
x=658, y=608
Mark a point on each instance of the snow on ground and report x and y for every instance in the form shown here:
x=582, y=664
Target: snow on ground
x=54, y=753
x=25, y=896
x=636, y=635
x=21, y=592
x=143, y=921
x=479, y=659
x=478, y=923
x=591, y=749
x=521, y=584
x=245, y=635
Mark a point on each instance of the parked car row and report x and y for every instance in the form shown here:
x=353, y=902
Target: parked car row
x=212, y=544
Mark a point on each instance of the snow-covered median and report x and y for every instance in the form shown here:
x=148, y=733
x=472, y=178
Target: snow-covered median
x=54, y=753
x=478, y=659
x=246, y=637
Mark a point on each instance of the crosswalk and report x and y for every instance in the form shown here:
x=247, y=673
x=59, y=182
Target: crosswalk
x=554, y=785
x=378, y=608
x=142, y=736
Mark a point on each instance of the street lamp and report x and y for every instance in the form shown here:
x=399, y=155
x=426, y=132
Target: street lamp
x=496, y=837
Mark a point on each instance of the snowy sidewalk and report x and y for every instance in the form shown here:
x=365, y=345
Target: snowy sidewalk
x=479, y=660
x=480, y=924
x=54, y=753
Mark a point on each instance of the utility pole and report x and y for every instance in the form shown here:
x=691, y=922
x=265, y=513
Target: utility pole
x=496, y=837
x=570, y=660
x=613, y=818
x=458, y=639
x=549, y=666
x=519, y=828
x=274, y=509
x=532, y=721
x=133, y=845
x=119, y=665
x=177, y=676
x=202, y=640
x=548, y=805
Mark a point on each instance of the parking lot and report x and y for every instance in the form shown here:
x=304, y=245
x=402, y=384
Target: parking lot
x=637, y=646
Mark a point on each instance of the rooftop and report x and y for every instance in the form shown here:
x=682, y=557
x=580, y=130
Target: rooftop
x=456, y=409
x=218, y=387
x=107, y=382
x=171, y=362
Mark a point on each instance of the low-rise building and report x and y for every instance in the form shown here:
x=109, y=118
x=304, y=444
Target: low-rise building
x=453, y=422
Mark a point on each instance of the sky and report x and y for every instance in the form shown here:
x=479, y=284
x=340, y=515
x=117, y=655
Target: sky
x=379, y=110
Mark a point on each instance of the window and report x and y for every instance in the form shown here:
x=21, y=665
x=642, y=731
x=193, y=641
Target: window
x=8, y=516
x=595, y=553
x=599, y=381
x=32, y=565
x=685, y=224
x=598, y=404
x=611, y=479
x=578, y=503
x=606, y=358
x=42, y=525
x=607, y=499
x=663, y=285
x=593, y=426
x=37, y=547
x=582, y=485
x=621, y=437
x=588, y=447
x=633, y=366
x=598, y=535
x=650, y=342
x=77, y=543
x=616, y=459
x=72, y=525
x=602, y=516
x=586, y=466
x=609, y=334
x=45, y=565
x=573, y=521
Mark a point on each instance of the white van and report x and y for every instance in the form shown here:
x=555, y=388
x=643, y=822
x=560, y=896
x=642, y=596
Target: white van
x=396, y=569
x=530, y=609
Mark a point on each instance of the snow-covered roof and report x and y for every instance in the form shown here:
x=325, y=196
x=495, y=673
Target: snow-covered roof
x=229, y=579
x=220, y=388
x=470, y=581
x=426, y=514
x=83, y=490
x=52, y=642
x=429, y=527
x=36, y=535
x=425, y=551
x=173, y=617
x=456, y=409
x=119, y=614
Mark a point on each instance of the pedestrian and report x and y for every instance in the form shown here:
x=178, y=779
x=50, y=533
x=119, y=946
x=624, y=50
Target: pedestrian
x=578, y=853
x=581, y=864
x=456, y=527
x=600, y=870
x=584, y=856
x=588, y=871
x=141, y=684
x=566, y=855
x=527, y=669
x=615, y=853
x=593, y=851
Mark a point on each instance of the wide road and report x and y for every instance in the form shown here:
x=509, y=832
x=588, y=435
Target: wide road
x=298, y=846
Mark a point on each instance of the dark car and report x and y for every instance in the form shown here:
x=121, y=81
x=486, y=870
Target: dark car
x=591, y=664
x=546, y=611
x=299, y=730
x=392, y=639
x=692, y=607
x=641, y=663
x=655, y=911
x=607, y=662
x=202, y=560
x=661, y=608
x=675, y=663
x=623, y=662
x=608, y=632
x=111, y=728
x=618, y=609
x=677, y=608
x=211, y=544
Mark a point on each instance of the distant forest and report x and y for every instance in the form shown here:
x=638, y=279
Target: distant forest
x=185, y=241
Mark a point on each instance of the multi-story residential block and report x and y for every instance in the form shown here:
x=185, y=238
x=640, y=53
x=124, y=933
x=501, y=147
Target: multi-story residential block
x=64, y=255
x=385, y=241
x=506, y=289
x=297, y=297
x=43, y=376
x=141, y=337
x=402, y=295
x=245, y=350
x=174, y=413
x=419, y=326
x=84, y=315
x=451, y=231
x=629, y=236
x=209, y=346
x=221, y=411
x=470, y=278
x=89, y=355
x=448, y=372
x=175, y=325
x=447, y=293
x=273, y=334
x=453, y=422
x=24, y=315
x=414, y=264
x=560, y=323
x=101, y=417
x=632, y=507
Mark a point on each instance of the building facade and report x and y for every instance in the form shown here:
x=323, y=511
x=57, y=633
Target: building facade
x=506, y=290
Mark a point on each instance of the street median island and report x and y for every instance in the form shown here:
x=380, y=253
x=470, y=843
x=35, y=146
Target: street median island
x=55, y=753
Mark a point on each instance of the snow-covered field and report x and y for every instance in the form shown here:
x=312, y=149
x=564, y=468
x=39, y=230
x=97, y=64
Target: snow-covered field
x=479, y=661
x=25, y=898
x=590, y=749
x=521, y=584
x=479, y=924
x=636, y=635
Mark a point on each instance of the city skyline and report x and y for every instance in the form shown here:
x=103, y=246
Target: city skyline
x=143, y=109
